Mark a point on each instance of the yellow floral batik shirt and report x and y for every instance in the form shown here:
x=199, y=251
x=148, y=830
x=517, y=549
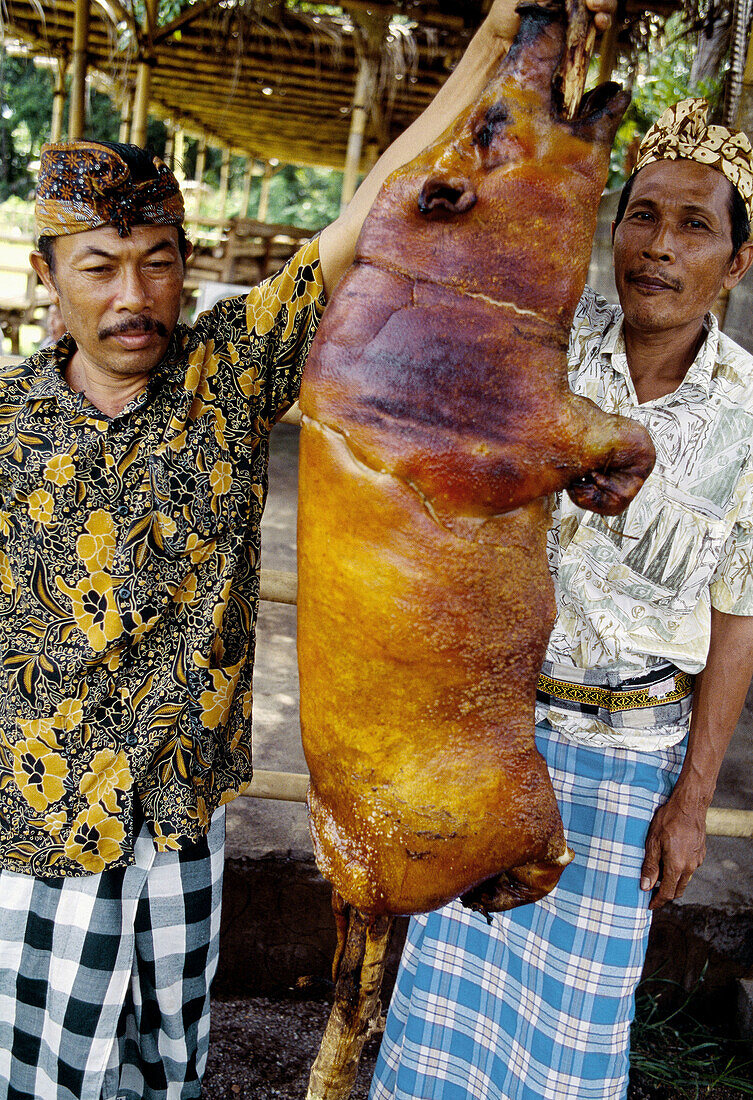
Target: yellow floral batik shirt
x=129, y=565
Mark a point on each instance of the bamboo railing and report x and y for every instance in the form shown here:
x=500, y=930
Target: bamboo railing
x=281, y=587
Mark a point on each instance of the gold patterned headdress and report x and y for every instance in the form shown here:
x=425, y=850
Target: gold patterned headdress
x=682, y=133
x=86, y=185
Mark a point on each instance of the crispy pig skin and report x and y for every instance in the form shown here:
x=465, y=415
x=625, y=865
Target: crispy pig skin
x=437, y=421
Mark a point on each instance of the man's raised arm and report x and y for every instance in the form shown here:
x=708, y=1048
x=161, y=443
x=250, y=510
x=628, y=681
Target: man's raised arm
x=471, y=75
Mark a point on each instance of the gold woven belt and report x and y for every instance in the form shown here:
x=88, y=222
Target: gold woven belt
x=616, y=699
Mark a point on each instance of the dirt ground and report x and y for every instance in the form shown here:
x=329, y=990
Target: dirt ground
x=263, y=1050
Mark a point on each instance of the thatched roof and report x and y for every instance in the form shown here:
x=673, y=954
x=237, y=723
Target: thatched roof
x=268, y=77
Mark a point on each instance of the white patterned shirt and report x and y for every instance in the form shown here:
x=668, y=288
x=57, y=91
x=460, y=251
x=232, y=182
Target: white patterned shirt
x=635, y=591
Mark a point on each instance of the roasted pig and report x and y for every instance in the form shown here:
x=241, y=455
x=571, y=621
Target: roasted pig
x=437, y=422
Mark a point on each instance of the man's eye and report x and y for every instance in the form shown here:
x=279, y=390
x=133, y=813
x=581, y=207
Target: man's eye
x=696, y=223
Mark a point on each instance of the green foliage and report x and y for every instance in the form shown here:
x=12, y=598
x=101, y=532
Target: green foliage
x=25, y=114
x=662, y=77
x=309, y=197
x=25, y=109
x=671, y=1049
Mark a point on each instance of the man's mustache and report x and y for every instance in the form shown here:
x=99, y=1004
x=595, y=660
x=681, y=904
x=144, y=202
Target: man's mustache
x=669, y=281
x=140, y=323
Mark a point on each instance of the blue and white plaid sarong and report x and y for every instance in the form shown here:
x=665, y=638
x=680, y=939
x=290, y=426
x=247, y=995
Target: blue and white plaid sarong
x=538, y=1005
x=104, y=980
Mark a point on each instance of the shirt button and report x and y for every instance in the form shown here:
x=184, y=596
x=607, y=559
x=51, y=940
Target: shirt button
x=122, y=510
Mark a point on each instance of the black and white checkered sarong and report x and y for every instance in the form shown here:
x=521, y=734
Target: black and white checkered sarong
x=104, y=980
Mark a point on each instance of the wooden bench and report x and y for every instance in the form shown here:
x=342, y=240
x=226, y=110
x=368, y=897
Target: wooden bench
x=249, y=252
x=22, y=310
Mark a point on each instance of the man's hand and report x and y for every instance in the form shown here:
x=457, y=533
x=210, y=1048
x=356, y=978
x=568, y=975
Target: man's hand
x=503, y=21
x=676, y=842
x=675, y=848
x=462, y=88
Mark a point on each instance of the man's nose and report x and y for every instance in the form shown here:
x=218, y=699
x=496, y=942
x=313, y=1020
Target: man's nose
x=660, y=244
x=133, y=292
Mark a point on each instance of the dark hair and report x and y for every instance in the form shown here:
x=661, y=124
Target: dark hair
x=738, y=213
x=45, y=245
x=140, y=163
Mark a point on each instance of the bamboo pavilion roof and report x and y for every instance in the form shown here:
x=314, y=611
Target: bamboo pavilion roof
x=269, y=78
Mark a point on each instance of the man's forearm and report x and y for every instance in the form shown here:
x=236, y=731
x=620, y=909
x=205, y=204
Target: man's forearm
x=465, y=84
x=718, y=699
x=676, y=842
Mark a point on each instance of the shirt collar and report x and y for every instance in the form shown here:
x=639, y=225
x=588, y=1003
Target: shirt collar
x=49, y=366
x=701, y=371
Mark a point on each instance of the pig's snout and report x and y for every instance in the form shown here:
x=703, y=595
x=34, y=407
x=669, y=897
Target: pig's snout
x=443, y=193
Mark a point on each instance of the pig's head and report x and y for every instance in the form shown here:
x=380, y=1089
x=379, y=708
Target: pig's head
x=496, y=206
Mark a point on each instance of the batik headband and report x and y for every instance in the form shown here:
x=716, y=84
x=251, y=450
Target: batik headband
x=84, y=185
x=683, y=133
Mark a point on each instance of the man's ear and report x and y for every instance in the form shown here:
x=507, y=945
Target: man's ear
x=40, y=265
x=739, y=266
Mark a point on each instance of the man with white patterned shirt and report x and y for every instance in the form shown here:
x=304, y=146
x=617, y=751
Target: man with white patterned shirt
x=655, y=616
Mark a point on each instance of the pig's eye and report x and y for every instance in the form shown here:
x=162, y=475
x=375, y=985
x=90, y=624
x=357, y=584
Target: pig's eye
x=495, y=118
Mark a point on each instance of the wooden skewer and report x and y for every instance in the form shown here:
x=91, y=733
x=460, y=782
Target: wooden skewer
x=356, y=1013
x=579, y=48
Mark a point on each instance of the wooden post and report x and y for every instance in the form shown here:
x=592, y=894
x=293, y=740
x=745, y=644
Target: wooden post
x=141, y=103
x=359, y=117
x=356, y=1012
x=608, y=53
x=201, y=162
x=179, y=155
x=77, y=115
x=169, y=157
x=247, y=177
x=579, y=48
x=144, y=78
x=266, y=181
x=126, y=116
x=224, y=182
x=58, y=100
x=371, y=33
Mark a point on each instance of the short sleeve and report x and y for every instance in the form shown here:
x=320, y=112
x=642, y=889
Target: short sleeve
x=732, y=583
x=283, y=314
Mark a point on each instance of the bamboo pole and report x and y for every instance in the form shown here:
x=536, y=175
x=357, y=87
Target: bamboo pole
x=279, y=786
x=266, y=182
x=292, y=787
x=277, y=586
x=169, y=157
x=201, y=162
x=247, y=177
x=224, y=181
x=58, y=101
x=358, y=120
x=77, y=115
x=179, y=154
x=356, y=1013
x=144, y=79
x=608, y=52
x=126, y=116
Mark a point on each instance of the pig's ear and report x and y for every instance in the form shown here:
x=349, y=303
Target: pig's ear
x=600, y=113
